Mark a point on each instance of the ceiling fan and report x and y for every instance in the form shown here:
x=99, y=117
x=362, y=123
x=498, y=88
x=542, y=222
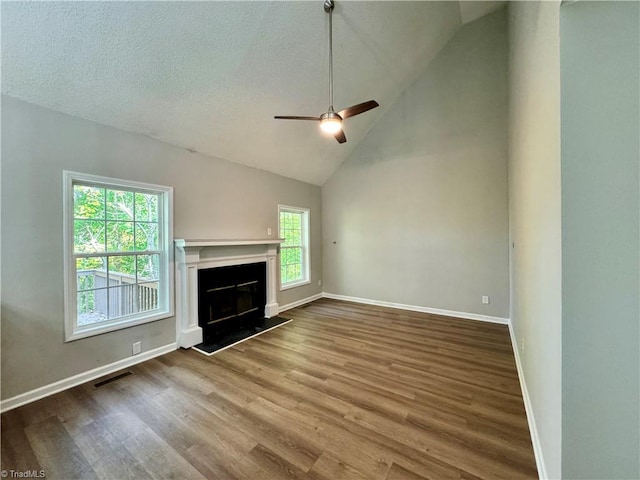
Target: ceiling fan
x=331, y=121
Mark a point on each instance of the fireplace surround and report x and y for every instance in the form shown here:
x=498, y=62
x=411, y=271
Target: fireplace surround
x=193, y=256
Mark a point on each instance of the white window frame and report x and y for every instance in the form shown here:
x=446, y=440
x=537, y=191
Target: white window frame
x=306, y=247
x=73, y=331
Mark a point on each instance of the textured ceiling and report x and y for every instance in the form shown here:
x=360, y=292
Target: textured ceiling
x=210, y=76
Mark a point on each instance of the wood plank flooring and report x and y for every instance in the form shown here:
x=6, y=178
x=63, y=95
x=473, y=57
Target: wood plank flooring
x=345, y=391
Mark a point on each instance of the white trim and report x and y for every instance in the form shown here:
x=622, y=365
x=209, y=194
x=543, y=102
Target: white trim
x=416, y=308
x=240, y=341
x=225, y=243
x=194, y=255
x=533, y=430
x=115, y=324
x=300, y=283
x=232, y=261
x=297, y=303
x=306, y=246
x=72, y=330
x=70, y=382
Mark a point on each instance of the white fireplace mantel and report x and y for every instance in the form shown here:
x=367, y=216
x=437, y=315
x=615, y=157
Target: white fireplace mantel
x=194, y=255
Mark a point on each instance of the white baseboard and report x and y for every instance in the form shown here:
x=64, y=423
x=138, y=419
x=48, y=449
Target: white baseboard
x=47, y=390
x=533, y=430
x=416, y=308
x=535, y=439
x=297, y=303
x=65, y=384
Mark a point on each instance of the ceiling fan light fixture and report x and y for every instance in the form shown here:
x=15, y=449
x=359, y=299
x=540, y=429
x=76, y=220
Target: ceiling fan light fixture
x=331, y=123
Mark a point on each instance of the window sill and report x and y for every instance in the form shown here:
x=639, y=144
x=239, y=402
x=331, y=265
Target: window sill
x=92, y=330
x=300, y=283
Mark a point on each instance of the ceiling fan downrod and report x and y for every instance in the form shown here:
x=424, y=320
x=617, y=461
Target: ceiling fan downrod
x=328, y=7
x=330, y=121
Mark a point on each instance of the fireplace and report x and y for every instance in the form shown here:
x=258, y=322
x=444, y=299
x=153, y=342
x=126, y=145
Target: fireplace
x=196, y=256
x=230, y=298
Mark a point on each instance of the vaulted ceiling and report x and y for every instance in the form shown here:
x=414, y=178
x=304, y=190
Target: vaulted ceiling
x=210, y=76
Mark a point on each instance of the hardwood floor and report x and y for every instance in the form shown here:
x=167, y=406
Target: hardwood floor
x=345, y=391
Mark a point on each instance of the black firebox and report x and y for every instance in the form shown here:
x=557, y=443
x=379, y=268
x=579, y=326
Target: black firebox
x=231, y=298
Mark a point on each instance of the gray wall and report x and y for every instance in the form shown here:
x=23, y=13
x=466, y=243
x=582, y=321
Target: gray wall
x=600, y=65
x=418, y=213
x=535, y=214
x=212, y=199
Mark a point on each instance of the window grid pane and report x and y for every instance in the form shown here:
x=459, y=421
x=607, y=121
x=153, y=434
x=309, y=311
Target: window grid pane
x=92, y=306
x=109, y=286
x=147, y=268
x=292, y=250
x=146, y=236
x=147, y=296
x=88, y=202
x=119, y=205
x=146, y=207
x=89, y=236
x=120, y=236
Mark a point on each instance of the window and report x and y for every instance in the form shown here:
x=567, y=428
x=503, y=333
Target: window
x=294, y=251
x=117, y=243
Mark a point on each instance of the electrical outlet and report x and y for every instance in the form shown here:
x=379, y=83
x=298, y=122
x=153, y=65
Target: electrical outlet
x=137, y=348
x=522, y=345
x=269, y=231
x=485, y=299
x=319, y=283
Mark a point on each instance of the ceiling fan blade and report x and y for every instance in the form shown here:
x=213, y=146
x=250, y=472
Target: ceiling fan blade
x=288, y=117
x=340, y=136
x=358, y=109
